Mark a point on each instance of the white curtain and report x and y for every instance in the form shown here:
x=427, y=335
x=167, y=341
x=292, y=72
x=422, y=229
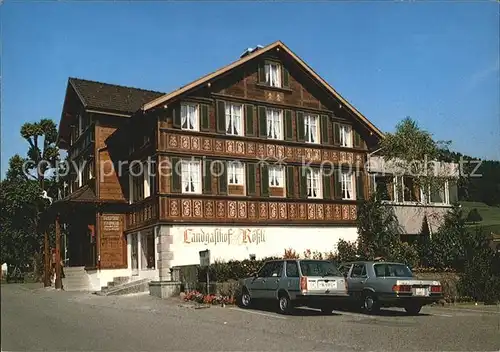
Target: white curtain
x=184, y=114
x=268, y=73
x=192, y=116
x=237, y=120
x=228, y=118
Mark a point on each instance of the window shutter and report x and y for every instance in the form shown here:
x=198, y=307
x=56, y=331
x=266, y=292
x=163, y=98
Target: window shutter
x=205, y=122
x=303, y=182
x=300, y=127
x=285, y=77
x=357, y=139
x=289, y=181
x=338, y=184
x=264, y=180
x=327, y=186
x=207, y=177
x=360, y=186
x=325, y=138
x=336, y=133
x=222, y=172
x=262, y=122
x=453, y=191
x=221, y=116
x=176, y=116
x=262, y=73
x=250, y=131
x=176, y=178
x=251, y=184
x=288, y=125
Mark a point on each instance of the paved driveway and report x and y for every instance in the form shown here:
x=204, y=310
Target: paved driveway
x=50, y=320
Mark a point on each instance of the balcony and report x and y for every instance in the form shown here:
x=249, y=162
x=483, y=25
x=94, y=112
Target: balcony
x=82, y=143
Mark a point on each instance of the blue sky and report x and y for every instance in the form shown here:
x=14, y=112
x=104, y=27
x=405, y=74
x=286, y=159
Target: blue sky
x=437, y=62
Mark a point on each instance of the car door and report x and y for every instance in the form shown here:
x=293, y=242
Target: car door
x=272, y=282
x=357, y=279
x=257, y=284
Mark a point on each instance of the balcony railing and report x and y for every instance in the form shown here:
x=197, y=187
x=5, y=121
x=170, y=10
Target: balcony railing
x=82, y=143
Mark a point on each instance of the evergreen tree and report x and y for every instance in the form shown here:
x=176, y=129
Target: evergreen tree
x=474, y=216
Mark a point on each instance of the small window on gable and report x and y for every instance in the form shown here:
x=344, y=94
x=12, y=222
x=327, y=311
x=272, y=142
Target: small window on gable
x=190, y=117
x=273, y=74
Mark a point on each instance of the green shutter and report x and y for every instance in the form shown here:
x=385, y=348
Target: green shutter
x=176, y=175
x=176, y=116
x=327, y=186
x=303, y=182
x=207, y=177
x=262, y=122
x=357, y=139
x=264, y=180
x=301, y=131
x=325, y=138
x=360, y=186
x=249, y=112
x=286, y=77
x=290, y=182
x=221, y=116
x=205, y=122
x=288, y=126
x=337, y=179
x=251, y=178
x=222, y=173
x=336, y=133
x=262, y=73
x=453, y=191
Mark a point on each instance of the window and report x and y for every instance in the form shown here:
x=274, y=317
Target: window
x=136, y=182
x=274, y=123
x=392, y=270
x=191, y=176
x=189, y=117
x=292, y=269
x=276, y=176
x=358, y=270
x=318, y=268
x=346, y=136
x=271, y=269
x=235, y=173
x=311, y=128
x=80, y=173
x=347, y=189
x=383, y=187
x=313, y=184
x=273, y=74
x=438, y=194
x=234, y=119
x=410, y=190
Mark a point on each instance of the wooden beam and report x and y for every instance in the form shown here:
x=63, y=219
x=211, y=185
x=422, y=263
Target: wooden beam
x=58, y=255
x=46, y=276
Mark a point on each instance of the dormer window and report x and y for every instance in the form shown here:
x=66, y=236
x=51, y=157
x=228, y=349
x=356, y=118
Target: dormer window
x=190, y=117
x=273, y=74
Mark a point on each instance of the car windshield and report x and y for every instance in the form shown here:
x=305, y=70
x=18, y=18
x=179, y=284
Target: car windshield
x=318, y=268
x=393, y=270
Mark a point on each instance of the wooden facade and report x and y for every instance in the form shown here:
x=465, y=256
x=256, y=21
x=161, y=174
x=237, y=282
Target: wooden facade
x=152, y=133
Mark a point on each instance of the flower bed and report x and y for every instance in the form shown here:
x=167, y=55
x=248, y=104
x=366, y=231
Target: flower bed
x=198, y=297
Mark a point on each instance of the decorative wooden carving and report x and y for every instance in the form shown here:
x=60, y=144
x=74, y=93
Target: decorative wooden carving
x=242, y=210
x=194, y=145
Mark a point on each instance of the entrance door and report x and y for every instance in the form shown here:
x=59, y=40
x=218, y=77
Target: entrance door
x=135, y=254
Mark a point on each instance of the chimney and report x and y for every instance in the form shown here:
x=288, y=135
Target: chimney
x=249, y=51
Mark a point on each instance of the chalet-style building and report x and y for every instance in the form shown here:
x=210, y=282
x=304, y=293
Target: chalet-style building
x=258, y=156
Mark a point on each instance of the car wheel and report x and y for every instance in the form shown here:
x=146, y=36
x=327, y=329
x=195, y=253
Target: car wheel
x=245, y=300
x=413, y=309
x=370, y=304
x=284, y=304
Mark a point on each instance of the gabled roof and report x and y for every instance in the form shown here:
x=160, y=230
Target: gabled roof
x=104, y=96
x=278, y=45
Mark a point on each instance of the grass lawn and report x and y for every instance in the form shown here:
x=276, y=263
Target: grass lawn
x=490, y=215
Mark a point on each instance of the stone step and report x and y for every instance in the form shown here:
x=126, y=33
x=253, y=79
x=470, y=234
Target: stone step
x=135, y=286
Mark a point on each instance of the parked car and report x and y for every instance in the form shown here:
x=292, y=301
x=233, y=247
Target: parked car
x=292, y=283
x=385, y=284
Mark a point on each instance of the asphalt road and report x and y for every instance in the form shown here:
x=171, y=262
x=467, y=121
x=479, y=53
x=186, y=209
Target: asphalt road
x=39, y=319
